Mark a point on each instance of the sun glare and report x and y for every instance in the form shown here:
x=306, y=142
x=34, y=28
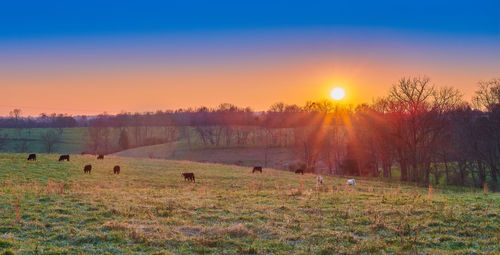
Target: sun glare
x=337, y=93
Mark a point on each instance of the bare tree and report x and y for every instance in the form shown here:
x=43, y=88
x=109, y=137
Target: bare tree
x=488, y=94
x=277, y=107
x=123, y=139
x=15, y=114
x=488, y=97
x=49, y=139
x=414, y=125
x=96, y=138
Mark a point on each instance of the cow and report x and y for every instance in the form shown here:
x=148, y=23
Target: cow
x=100, y=156
x=188, y=176
x=319, y=180
x=116, y=170
x=351, y=182
x=257, y=169
x=32, y=157
x=299, y=171
x=87, y=169
x=64, y=157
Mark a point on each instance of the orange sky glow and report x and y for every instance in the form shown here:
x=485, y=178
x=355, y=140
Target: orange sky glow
x=78, y=80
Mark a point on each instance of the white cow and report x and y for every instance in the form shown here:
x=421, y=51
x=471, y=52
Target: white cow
x=319, y=180
x=351, y=182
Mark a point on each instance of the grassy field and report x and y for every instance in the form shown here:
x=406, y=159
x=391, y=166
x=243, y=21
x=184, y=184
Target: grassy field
x=50, y=207
x=278, y=157
x=72, y=140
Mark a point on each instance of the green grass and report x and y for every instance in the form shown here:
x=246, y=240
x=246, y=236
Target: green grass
x=72, y=140
x=149, y=209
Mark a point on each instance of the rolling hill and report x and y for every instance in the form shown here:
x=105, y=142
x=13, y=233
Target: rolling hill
x=51, y=207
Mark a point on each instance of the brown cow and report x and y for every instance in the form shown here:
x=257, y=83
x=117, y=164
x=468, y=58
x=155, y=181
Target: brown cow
x=188, y=176
x=100, y=156
x=257, y=169
x=87, y=169
x=32, y=157
x=116, y=170
x=299, y=171
x=64, y=157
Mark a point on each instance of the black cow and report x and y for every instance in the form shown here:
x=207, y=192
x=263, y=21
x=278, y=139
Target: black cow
x=100, y=156
x=299, y=171
x=32, y=157
x=188, y=176
x=87, y=169
x=257, y=169
x=64, y=157
x=116, y=170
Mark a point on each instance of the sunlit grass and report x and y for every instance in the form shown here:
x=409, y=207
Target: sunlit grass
x=150, y=208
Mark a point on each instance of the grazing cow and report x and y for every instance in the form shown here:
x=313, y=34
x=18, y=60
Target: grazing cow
x=32, y=157
x=87, y=169
x=100, y=156
x=351, y=182
x=64, y=157
x=299, y=171
x=116, y=170
x=257, y=169
x=319, y=180
x=188, y=176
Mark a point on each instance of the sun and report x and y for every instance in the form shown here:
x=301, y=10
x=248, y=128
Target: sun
x=337, y=93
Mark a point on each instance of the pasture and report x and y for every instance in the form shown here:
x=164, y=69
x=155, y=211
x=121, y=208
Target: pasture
x=51, y=207
x=28, y=140
x=277, y=157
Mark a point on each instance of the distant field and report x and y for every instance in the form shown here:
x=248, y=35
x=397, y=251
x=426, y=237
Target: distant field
x=53, y=208
x=72, y=140
x=278, y=157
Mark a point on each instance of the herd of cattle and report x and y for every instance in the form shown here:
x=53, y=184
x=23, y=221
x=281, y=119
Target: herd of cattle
x=86, y=168
x=187, y=176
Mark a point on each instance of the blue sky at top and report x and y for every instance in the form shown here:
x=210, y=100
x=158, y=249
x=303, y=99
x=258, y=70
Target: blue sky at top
x=31, y=19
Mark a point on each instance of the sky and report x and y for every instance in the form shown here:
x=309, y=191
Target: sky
x=89, y=57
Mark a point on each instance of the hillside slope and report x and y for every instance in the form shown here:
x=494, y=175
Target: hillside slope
x=52, y=207
x=278, y=158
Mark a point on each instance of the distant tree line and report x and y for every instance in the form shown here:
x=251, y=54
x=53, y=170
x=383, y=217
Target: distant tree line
x=424, y=133
x=43, y=121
